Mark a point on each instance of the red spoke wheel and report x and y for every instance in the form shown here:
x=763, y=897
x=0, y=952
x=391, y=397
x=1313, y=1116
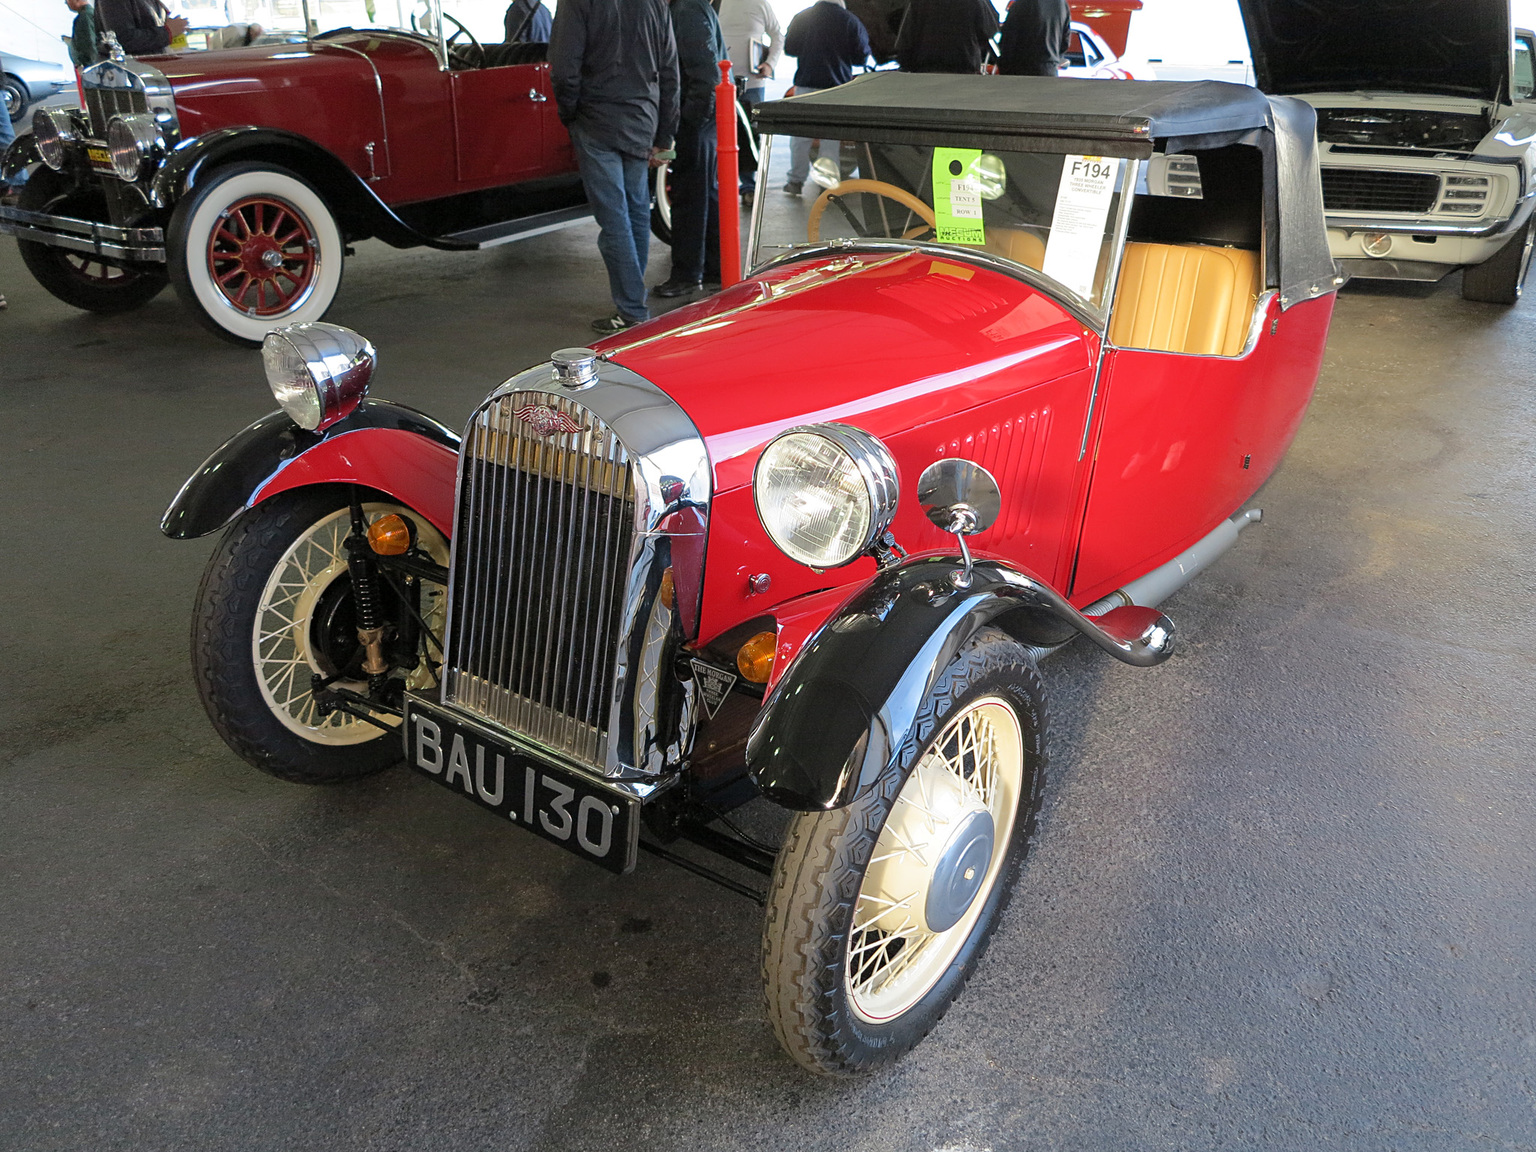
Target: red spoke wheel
x=254, y=248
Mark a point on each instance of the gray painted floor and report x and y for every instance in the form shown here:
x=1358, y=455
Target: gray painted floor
x=1281, y=897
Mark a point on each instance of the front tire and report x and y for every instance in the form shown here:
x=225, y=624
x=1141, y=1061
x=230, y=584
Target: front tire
x=252, y=249
x=275, y=607
x=1501, y=278
x=16, y=97
x=80, y=279
x=879, y=912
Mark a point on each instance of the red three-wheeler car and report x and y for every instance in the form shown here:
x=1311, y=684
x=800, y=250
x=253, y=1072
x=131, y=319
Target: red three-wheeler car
x=1009, y=383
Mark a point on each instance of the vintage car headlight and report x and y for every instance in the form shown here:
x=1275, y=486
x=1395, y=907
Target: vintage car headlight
x=318, y=372
x=133, y=141
x=53, y=132
x=825, y=493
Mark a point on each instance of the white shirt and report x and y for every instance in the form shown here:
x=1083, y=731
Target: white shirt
x=745, y=23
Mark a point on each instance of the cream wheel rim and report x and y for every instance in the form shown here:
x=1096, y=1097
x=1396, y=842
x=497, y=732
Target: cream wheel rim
x=281, y=642
x=932, y=871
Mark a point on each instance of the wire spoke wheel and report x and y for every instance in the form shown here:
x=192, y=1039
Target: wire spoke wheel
x=935, y=861
x=296, y=634
x=880, y=908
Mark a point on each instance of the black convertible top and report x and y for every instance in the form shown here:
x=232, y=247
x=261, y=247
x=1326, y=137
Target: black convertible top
x=1102, y=117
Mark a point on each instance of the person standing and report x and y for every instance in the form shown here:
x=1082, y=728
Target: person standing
x=827, y=41
x=945, y=36
x=1036, y=35
x=694, y=190
x=613, y=66
x=83, y=49
x=142, y=27
x=755, y=40
x=527, y=22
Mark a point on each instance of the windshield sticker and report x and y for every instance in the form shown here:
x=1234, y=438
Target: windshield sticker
x=1077, y=228
x=957, y=196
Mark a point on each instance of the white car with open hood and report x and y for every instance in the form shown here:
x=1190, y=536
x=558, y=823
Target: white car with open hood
x=1427, y=130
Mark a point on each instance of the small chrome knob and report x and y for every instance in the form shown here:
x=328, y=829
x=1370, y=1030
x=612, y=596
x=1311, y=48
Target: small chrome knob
x=575, y=367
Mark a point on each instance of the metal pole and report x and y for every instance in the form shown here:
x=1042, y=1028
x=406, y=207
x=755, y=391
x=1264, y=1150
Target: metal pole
x=727, y=177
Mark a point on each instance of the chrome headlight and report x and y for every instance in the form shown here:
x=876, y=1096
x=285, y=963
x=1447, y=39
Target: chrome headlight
x=825, y=493
x=53, y=132
x=318, y=372
x=133, y=142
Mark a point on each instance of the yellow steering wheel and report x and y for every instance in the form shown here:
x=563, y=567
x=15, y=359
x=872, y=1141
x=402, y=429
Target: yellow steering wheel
x=878, y=188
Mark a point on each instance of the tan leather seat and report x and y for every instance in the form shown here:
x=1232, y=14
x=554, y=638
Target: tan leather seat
x=1190, y=298
x=1017, y=244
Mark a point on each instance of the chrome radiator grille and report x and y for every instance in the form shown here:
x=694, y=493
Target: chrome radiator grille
x=540, y=561
x=105, y=103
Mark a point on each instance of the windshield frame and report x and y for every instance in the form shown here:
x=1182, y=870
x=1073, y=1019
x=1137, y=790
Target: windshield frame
x=439, y=43
x=1089, y=314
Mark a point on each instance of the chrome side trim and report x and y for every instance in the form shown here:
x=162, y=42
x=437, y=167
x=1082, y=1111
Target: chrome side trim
x=378, y=83
x=146, y=244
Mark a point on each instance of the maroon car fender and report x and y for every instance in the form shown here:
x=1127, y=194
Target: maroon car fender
x=387, y=447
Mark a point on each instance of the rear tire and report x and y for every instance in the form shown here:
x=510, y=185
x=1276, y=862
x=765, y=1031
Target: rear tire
x=848, y=988
x=253, y=248
x=276, y=594
x=80, y=279
x=16, y=97
x=1501, y=278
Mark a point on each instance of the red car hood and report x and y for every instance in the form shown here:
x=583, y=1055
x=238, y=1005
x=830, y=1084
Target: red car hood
x=266, y=66
x=884, y=342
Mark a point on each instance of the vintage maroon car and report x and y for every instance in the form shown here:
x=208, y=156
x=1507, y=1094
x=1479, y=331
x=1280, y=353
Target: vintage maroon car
x=245, y=175
x=1009, y=385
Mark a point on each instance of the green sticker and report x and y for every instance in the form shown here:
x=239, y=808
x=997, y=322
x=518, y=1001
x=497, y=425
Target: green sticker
x=957, y=196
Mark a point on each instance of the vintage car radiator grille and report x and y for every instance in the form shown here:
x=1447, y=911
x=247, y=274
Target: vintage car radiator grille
x=105, y=103
x=540, y=560
x=1364, y=190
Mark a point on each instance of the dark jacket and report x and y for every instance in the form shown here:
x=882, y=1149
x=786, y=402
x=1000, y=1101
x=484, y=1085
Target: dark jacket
x=945, y=35
x=700, y=48
x=137, y=24
x=83, y=51
x=536, y=28
x=1035, y=38
x=613, y=65
x=827, y=41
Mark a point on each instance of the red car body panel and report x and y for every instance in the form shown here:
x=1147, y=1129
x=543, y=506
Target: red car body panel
x=418, y=472
x=434, y=133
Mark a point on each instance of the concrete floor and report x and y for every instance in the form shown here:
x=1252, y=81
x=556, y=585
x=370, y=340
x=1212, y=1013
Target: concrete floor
x=1281, y=897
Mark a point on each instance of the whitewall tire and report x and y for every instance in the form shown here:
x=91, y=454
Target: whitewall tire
x=253, y=248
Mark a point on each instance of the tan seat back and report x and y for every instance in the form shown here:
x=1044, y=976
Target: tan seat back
x=1190, y=298
x=1017, y=244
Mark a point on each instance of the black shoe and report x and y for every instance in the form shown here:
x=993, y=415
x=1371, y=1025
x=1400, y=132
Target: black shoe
x=794, y=187
x=746, y=197
x=674, y=287
x=609, y=325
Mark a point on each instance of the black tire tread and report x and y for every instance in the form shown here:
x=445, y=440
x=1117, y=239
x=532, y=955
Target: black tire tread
x=1498, y=279
x=820, y=867
x=222, y=619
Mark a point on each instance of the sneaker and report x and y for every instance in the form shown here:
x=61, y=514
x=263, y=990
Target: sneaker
x=610, y=325
x=794, y=187
x=746, y=197
x=673, y=287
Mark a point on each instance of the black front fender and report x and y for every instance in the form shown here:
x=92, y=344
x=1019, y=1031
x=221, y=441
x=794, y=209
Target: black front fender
x=219, y=490
x=844, y=709
x=20, y=156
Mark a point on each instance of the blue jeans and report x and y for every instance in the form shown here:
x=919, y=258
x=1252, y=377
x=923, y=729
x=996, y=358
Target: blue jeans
x=618, y=189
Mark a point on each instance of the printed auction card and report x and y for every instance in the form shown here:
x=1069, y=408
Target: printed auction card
x=957, y=196
x=1077, y=229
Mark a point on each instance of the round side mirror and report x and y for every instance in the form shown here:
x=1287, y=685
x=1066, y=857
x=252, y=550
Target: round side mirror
x=959, y=496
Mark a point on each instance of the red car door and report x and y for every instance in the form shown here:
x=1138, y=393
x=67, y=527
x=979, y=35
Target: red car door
x=498, y=121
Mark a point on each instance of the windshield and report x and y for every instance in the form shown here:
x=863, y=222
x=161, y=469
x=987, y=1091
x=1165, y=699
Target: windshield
x=279, y=17
x=1055, y=214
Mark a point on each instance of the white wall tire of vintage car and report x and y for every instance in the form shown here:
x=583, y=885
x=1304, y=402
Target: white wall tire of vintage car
x=253, y=248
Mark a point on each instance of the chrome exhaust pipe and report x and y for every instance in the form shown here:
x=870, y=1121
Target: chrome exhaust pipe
x=1157, y=585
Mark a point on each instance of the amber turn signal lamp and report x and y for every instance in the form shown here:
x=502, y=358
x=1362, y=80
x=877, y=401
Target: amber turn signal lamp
x=667, y=593
x=755, y=659
x=391, y=535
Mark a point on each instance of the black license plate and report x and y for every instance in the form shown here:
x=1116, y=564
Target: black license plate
x=597, y=823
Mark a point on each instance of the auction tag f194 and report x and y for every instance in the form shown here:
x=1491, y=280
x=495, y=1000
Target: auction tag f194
x=957, y=196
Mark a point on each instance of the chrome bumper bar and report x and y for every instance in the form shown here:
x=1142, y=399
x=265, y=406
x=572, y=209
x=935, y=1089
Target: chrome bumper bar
x=143, y=244
x=1432, y=226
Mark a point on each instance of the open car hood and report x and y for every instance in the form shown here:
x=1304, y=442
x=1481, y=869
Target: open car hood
x=1437, y=47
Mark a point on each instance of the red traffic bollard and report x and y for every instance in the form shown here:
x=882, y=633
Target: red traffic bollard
x=726, y=174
